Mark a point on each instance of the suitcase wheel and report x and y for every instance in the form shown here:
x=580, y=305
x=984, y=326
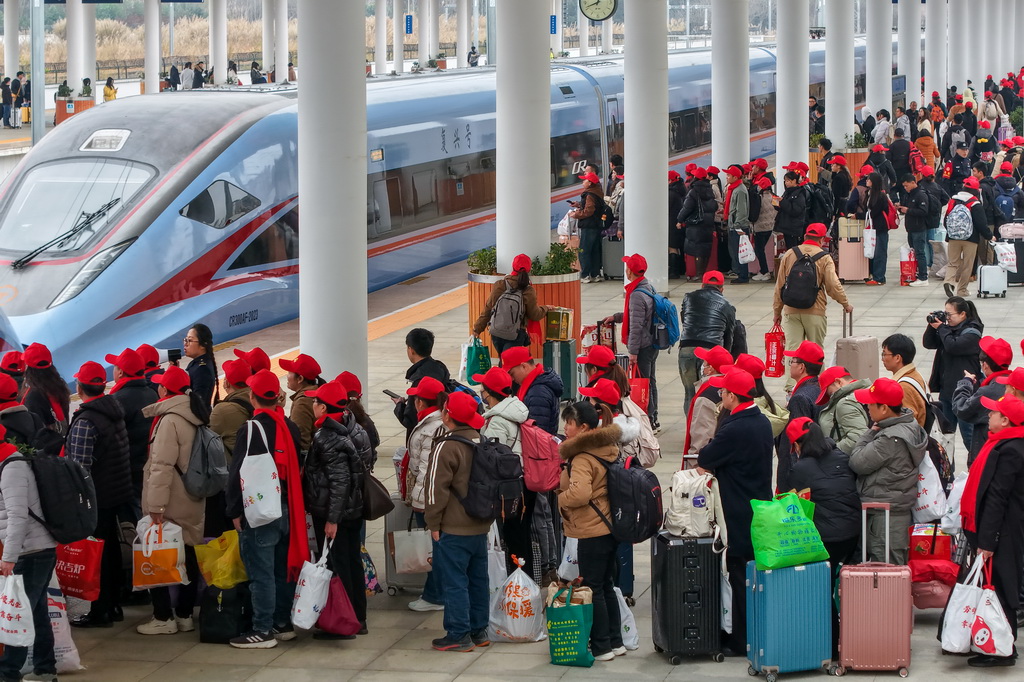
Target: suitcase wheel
x=658, y=649
x=771, y=677
x=904, y=672
x=751, y=671
x=392, y=590
x=837, y=670
x=675, y=659
x=718, y=658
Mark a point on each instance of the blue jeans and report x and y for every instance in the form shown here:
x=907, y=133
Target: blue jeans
x=741, y=270
x=265, y=555
x=590, y=253
x=431, y=588
x=919, y=243
x=463, y=562
x=933, y=235
x=36, y=569
x=966, y=428
x=881, y=258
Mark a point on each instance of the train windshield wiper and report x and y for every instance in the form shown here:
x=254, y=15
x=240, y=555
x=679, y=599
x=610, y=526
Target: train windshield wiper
x=85, y=222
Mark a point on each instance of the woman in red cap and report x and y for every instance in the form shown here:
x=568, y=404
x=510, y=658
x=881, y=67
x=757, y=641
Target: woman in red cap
x=176, y=419
x=13, y=365
x=763, y=192
x=45, y=393
x=511, y=304
x=695, y=223
x=355, y=405
x=600, y=362
x=303, y=376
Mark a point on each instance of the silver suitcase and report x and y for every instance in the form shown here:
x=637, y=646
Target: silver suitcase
x=858, y=354
x=992, y=281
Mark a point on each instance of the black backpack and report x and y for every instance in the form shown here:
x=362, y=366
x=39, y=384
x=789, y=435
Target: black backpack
x=821, y=205
x=634, y=498
x=67, y=496
x=801, y=288
x=754, y=205
x=608, y=219
x=496, y=488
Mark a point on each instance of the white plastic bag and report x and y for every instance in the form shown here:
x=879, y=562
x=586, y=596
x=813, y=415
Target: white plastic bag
x=1006, y=254
x=959, y=618
x=745, y=251
x=990, y=632
x=869, y=240
x=158, y=555
x=517, y=610
x=568, y=227
x=951, y=521
x=311, y=591
x=569, y=569
x=64, y=649
x=413, y=551
x=16, y=628
x=726, y=598
x=497, y=571
x=261, y=487
x=630, y=636
x=931, y=499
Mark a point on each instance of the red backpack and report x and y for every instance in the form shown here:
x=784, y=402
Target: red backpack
x=542, y=463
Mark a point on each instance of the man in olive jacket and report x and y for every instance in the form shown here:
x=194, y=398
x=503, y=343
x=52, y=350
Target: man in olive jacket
x=842, y=418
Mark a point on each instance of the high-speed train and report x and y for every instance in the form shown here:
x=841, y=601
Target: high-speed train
x=133, y=220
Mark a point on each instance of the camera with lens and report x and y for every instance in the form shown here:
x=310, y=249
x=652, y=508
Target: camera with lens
x=937, y=316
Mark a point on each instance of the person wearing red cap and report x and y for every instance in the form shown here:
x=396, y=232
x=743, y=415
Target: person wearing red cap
x=202, y=370
x=937, y=199
x=98, y=440
x=677, y=193
x=355, y=404
x=13, y=365
x=991, y=514
x=134, y=392
x=791, y=218
x=461, y=539
x=231, y=413
x=992, y=109
x=740, y=457
x=886, y=460
x=995, y=358
x=966, y=224
x=695, y=223
x=303, y=376
x=702, y=412
x=151, y=357
x=21, y=424
x=777, y=415
x=419, y=344
x=707, y=320
x=176, y=420
x=736, y=211
x=588, y=211
x=510, y=306
x=273, y=553
x=45, y=392
x=805, y=366
x=600, y=362
x=540, y=389
x=1009, y=199
x=763, y=216
x=841, y=416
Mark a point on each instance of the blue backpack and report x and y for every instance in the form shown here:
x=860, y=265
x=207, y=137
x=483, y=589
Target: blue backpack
x=664, y=321
x=1004, y=200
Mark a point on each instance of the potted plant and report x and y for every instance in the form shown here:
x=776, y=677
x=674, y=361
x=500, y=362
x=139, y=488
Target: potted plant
x=555, y=278
x=440, y=62
x=856, y=149
x=63, y=91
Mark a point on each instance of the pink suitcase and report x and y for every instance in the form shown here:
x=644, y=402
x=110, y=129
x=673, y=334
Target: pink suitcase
x=876, y=615
x=853, y=266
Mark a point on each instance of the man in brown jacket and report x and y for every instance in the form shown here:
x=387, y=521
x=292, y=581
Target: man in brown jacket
x=231, y=413
x=808, y=324
x=461, y=556
x=898, y=353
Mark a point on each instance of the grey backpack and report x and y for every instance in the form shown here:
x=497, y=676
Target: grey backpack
x=207, y=472
x=959, y=222
x=507, y=316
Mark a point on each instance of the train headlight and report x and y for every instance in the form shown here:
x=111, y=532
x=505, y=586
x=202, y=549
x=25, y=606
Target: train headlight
x=91, y=271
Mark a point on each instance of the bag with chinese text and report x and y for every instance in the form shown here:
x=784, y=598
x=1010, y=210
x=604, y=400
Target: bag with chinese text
x=78, y=568
x=570, y=617
x=261, y=489
x=517, y=609
x=16, y=628
x=311, y=591
x=783, y=533
x=958, y=620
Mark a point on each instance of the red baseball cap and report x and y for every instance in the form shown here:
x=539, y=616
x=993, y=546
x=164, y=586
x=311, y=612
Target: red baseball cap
x=959, y=98
x=13, y=362
x=972, y=183
x=935, y=93
x=91, y=374
x=997, y=349
x=713, y=277
x=985, y=124
x=264, y=384
x=816, y=230
x=150, y=356
x=884, y=391
x=351, y=383
x=257, y=358
x=427, y=388
x=866, y=170
x=928, y=172
x=791, y=166
x=760, y=163
x=763, y=182
x=1014, y=379
x=988, y=93
x=598, y=356
x=737, y=381
x=462, y=408
x=838, y=159
x=674, y=175
x=515, y=356
x=716, y=356
x=605, y=390
x=8, y=388
x=796, y=428
x=1006, y=166
x=1009, y=406
x=175, y=380
x=735, y=170
x=969, y=105
x=333, y=394
x=826, y=379
x=591, y=177
x=129, y=362
x=808, y=351
x=636, y=263
x=236, y=371
x=690, y=167
x=713, y=170
x=303, y=365
x=751, y=364
x=497, y=379
x=700, y=173
x=522, y=263
x=37, y=356
x=878, y=148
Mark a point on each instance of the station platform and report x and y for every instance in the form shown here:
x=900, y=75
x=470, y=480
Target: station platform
x=399, y=640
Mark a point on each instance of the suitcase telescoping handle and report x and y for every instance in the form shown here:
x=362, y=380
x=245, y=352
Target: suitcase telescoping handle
x=864, y=507
x=845, y=316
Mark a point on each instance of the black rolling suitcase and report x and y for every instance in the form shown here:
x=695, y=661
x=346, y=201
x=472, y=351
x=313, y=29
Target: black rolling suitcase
x=1018, y=247
x=686, y=597
x=611, y=259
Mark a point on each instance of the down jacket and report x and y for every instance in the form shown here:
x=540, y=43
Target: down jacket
x=791, y=217
x=843, y=419
x=698, y=236
x=21, y=424
x=170, y=448
x=834, y=492
x=585, y=480
x=641, y=313
x=956, y=350
x=421, y=441
x=886, y=462
x=542, y=400
x=333, y=476
x=502, y=422
x=19, y=532
x=134, y=395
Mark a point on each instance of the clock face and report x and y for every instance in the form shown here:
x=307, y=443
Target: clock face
x=598, y=10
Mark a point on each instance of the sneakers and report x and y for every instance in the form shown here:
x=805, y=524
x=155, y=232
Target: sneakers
x=584, y=280
x=283, y=633
x=480, y=638
x=919, y=283
x=41, y=677
x=608, y=656
x=158, y=627
x=424, y=605
x=985, y=661
x=656, y=427
x=448, y=644
x=185, y=624
x=873, y=283
x=90, y=621
x=254, y=640
x=949, y=289
x=763, y=277
x=619, y=651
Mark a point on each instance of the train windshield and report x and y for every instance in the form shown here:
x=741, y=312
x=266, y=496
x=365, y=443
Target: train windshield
x=54, y=198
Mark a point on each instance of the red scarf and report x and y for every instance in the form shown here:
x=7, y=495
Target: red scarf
x=630, y=288
x=743, y=406
x=800, y=383
x=287, y=461
x=969, y=501
x=156, y=419
x=995, y=375
x=728, y=197
x=420, y=416
x=58, y=409
x=5, y=406
x=528, y=381
x=6, y=450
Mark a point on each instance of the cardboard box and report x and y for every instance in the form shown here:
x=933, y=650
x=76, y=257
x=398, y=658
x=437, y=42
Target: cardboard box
x=558, y=324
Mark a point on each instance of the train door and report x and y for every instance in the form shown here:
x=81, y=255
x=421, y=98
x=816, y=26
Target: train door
x=614, y=127
x=379, y=212
x=424, y=191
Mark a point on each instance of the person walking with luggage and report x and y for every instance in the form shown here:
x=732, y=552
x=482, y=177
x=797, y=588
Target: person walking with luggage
x=176, y=419
x=874, y=207
x=955, y=336
x=540, y=389
x=419, y=344
x=898, y=353
x=841, y=416
x=707, y=319
x=740, y=457
x=510, y=307
x=805, y=366
x=582, y=499
x=587, y=213
x=736, y=209
x=916, y=207
x=995, y=358
x=696, y=220
x=303, y=376
x=886, y=460
x=966, y=224
x=992, y=511
x=134, y=393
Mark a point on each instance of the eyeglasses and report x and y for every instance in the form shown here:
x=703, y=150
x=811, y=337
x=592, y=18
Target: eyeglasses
x=887, y=354
x=187, y=340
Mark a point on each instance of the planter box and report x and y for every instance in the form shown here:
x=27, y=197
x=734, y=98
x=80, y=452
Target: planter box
x=163, y=86
x=855, y=158
x=68, y=107
x=561, y=291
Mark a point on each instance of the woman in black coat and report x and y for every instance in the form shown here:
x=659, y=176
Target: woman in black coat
x=791, y=218
x=956, y=342
x=695, y=223
x=202, y=370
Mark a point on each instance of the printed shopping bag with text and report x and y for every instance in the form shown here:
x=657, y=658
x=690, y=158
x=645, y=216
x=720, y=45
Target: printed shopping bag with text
x=783, y=533
x=569, y=625
x=78, y=568
x=774, y=345
x=158, y=556
x=311, y=591
x=745, y=251
x=958, y=621
x=639, y=388
x=991, y=633
x=261, y=487
x=220, y=561
x=16, y=628
x=517, y=609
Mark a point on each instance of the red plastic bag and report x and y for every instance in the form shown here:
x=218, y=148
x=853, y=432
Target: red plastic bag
x=927, y=570
x=639, y=388
x=338, y=617
x=78, y=568
x=774, y=345
x=908, y=269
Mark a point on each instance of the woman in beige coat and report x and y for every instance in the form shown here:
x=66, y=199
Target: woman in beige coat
x=176, y=418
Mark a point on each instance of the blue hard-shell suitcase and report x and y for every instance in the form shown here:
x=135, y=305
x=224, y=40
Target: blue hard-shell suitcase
x=789, y=619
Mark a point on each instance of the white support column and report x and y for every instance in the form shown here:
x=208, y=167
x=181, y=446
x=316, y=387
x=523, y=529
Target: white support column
x=839, y=68
x=398, y=34
x=435, y=28
x=523, y=132
x=1007, y=19
x=12, y=21
x=879, y=56
x=76, y=48
x=730, y=83
x=957, y=73
x=988, y=41
x=1018, y=45
x=268, y=35
x=972, y=57
x=151, y=13
x=646, y=116
x=380, y=49
x=332, y=173
x=281, y=43
x=608, y=36
x=584, y=30
x=89, y=44
x=218, y=41
x=793, y=83
x=462, y=18
x=556, y=38
x=423, y=30
x=909, y=49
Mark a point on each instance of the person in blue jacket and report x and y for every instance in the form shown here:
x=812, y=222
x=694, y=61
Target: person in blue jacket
x=539, y=388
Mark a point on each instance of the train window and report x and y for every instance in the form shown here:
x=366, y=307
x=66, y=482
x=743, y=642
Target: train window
x=220, y=204
x=276, y=244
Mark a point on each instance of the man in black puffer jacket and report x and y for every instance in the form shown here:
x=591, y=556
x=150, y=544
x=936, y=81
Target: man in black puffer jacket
x=97, y=439
x=134, y=392
x=707, y=320
x=791, y=218
x=419, y=344
x=540, y=389
x=332, y=484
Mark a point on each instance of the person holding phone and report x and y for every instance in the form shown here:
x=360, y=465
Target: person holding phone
x=419, y=344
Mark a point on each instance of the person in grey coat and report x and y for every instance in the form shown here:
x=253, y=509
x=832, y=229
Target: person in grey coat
x=995, y=357
x=737, y=214
x=886, y=460
x=29, y=551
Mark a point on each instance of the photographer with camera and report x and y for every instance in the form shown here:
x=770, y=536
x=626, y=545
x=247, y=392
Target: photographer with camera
x=955, y=335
